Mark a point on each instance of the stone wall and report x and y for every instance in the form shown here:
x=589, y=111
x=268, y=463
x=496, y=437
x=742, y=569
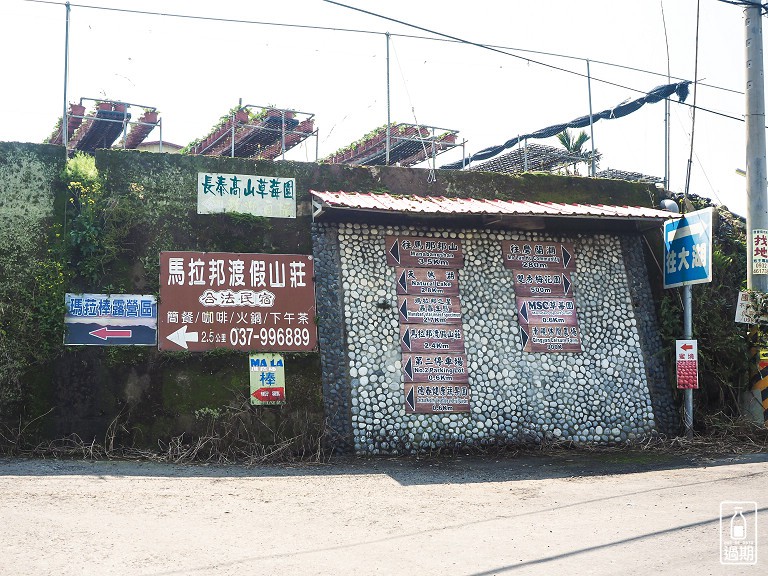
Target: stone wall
x=601, y=395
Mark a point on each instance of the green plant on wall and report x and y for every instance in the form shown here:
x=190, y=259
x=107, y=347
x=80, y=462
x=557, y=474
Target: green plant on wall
x=99, y=222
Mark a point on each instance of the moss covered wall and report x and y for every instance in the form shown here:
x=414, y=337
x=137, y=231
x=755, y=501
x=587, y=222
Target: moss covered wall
x=150, y=205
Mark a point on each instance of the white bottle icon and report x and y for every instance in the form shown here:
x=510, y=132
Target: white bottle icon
x=738, y=525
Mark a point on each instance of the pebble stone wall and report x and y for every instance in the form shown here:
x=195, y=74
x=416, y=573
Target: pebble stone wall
x=598, y=396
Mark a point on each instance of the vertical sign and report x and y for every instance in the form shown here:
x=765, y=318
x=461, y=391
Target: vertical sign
x=688, y=249
x=759, y=251
x=267, y=379
x=239, y=301
x=687, y=363
x=431, y=337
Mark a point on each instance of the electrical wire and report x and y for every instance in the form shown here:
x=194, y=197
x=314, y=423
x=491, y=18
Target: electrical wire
x=446, y=37
x=693, y=117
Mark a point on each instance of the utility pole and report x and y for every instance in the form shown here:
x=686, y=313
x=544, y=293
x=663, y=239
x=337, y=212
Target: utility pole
x=757, y=193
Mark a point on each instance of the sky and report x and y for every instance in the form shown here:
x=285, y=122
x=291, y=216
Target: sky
x=193, y=70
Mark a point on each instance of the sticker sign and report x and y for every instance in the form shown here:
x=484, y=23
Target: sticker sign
x=535, y=283
x=746, y=313
x=420, y=252
x=429, y=309
x=436, y=398
x=268, y=196
x=438, y=368
x=759, y=251
x=549, y=338
x=425, y=281
x=688, y=249
x=238, y=301
x=687, y=364
x=526, y=255
x=555, y=311
x=426, y=338
x=267, y=379
x=110, y=320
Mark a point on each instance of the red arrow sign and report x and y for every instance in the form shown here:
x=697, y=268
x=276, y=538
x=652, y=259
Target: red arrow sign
x=270, y=394
x=103, y=333
x=686, y=347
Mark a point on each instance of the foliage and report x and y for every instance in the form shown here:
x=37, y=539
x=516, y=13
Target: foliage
x=575, y=146
x=101, y=222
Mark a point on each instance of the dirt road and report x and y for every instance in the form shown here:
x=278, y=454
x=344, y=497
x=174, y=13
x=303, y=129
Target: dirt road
x=569, y=514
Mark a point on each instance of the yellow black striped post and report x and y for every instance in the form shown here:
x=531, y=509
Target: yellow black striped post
x=759, y=370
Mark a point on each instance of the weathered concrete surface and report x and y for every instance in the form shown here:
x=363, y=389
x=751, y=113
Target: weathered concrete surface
x=618, y=513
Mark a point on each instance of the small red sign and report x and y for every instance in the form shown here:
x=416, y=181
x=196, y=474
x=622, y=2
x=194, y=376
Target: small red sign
x=270, y=394
x=687, y=364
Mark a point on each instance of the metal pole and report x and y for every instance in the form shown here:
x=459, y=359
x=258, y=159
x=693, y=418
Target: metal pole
x=666, y=105
x=160, y=124
x=388, y=144
x=757, y=200
x=591, y=123
x=232, y=145
x=64, y=119
x=688, y=335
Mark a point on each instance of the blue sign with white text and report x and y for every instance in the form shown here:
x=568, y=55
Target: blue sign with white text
x=110, y=320
x=688, y=249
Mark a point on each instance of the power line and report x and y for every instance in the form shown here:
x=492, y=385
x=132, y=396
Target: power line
x=446, y=37
x=375, y=32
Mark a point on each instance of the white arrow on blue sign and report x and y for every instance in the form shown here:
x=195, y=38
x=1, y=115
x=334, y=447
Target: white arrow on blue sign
x=688, y=249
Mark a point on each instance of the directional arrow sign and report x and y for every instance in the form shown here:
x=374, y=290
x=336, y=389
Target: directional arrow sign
x=181, y=337
x=270, y=394
x=103, y=333
x=410, y=400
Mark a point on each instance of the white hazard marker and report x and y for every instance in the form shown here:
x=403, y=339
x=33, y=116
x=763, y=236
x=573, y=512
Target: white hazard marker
x=181, y=337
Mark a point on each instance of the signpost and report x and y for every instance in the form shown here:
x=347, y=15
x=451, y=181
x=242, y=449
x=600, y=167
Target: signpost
x=426, y=281
x=421, y=252
x=530, y=256
x=688, y=261
x=110, y=320
x=239, y=301
x=429, y=309
x=440, y=368
x=425, y=338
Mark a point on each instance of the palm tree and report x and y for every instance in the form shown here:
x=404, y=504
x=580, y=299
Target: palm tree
x=574, y=147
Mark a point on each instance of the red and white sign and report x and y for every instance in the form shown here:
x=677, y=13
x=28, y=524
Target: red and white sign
x=687, y=362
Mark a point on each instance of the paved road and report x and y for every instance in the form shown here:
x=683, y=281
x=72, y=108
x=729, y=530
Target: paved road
x=573, y=513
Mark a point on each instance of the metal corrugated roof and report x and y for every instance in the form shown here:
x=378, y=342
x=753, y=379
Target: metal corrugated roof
x=473, y=206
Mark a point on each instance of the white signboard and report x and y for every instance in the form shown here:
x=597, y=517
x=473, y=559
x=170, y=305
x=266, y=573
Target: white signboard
x=759, y=251
x=746, y=313
x=687, y=364
x=268, y=196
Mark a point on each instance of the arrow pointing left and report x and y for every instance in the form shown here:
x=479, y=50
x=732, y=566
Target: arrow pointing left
x=181, y=337
x=103, y=333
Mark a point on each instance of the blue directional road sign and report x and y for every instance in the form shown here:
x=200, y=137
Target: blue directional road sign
x=688, y=249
